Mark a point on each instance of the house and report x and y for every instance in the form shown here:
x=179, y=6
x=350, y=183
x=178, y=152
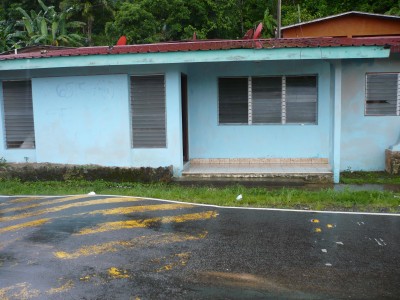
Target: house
x=329, y=103
x=349, y=24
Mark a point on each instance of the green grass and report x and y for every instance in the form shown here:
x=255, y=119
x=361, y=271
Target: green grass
x=325, y=199
x=361, y=177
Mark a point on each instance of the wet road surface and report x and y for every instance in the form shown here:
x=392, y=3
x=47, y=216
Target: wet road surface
x=104, y=247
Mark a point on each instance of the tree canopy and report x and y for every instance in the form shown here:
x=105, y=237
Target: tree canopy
x=102, y=22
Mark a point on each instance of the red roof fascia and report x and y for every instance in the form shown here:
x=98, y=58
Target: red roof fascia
x=207, y=45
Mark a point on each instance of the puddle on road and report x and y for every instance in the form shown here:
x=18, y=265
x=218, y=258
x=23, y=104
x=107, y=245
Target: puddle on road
x=60, y=229
x=7, y=258
x=229, y=285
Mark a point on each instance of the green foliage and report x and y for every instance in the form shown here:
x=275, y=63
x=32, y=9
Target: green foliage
x=135, y=22
x=395, y=10
x=49, y=27
x=146, y=21
x=269, y=23
x=291, y=15
x=9, y=37
x=94, y=14
x=360, y=177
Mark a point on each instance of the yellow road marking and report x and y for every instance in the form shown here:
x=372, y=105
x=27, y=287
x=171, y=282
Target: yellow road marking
x=63, y=207
x=109, y=226
x=329, y=225
x=25, y=199
x=24, y=225
x=166, y=268
x=142, y=208
x=18, y=291
x=65, y=287
x=317, y=230
x=85, y=278
x=314, y=220
x=57, y=201
x=117, y=273
x=120, y=210
x=183, y=258
x=143, y=241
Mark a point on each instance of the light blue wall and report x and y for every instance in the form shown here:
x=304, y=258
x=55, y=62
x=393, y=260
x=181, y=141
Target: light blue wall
x=82, y=120
x=365, y=138
x=86, y=119
x=210, y=140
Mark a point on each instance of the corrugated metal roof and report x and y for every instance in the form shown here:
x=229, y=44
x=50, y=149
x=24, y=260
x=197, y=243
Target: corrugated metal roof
x=357, y=13
x=35, y=48
x=207, y=45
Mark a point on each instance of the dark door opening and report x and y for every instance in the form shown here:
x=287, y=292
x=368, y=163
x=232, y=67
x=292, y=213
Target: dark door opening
x=185, y=131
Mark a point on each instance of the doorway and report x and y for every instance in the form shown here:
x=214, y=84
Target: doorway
x=185, y=130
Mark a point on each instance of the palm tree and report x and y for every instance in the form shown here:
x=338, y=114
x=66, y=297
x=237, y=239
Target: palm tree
x=49, y=27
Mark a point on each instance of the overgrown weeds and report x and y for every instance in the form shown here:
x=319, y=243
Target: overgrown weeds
x=362, y=177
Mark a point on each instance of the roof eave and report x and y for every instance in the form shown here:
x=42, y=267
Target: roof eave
x=211, y=56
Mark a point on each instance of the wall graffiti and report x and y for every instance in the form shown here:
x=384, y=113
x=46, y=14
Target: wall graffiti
x=100, y=88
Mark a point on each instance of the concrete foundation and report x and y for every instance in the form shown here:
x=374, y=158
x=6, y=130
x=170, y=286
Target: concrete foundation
x=392, y=161
x=273, y=170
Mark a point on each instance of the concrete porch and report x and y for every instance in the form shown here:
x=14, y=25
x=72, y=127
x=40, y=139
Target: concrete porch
x=300, y=170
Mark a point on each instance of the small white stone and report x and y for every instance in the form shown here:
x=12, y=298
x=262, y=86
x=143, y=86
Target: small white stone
x=239, y=197
x=328, y=265
x=91, y=193
x=324, y=250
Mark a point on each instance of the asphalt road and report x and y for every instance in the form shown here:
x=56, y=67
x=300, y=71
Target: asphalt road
x=103, y=247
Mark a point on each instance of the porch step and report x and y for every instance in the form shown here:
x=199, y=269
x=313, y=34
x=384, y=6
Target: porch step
x=280, y=170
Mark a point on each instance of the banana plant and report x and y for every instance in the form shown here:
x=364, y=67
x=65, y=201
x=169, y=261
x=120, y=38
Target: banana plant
x=49, y=27
x=9, y=38
x=269, y=23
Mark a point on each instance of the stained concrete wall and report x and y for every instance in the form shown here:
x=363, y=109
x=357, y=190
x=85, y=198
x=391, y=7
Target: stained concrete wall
x=365, y=138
